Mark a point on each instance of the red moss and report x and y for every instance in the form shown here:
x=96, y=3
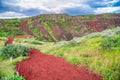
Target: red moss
x=47, y=67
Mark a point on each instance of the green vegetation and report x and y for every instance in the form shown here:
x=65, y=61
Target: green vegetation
x=111, y=42
x=29, y=41
x=36, y=42
x=7, y=68
x=92, y=51
x=10, y=27
x=47, y=26
x=100, y=52
x=65, y=24
x=81, y=25
x=17, y=78
x=3, y=41
x=14, y=51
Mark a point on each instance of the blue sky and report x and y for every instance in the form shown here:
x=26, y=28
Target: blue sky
x=26, y=8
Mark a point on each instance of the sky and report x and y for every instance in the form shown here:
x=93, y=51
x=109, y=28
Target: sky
x=27, y=8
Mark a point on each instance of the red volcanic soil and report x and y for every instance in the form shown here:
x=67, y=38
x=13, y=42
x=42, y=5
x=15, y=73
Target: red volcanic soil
x=10, y=40
x=40, y=66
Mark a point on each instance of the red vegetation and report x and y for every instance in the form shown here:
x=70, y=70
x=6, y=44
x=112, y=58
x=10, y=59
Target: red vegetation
x=40, y=66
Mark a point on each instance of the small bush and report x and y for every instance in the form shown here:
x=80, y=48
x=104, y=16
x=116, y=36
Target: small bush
x=59, y=54
x=17, y=78
x=111, y=42
x=14, y=51
x=36, y=42
x=72, y=44
x=19, y=40
x=3, y=38
x=14, y=78
x=74, y=60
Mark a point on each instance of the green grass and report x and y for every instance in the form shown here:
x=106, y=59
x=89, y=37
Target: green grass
x=89, y=52
x=7, y=68
x=3, y=41
x=85, y=51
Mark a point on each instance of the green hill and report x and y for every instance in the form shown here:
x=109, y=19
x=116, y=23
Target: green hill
x=56, y=27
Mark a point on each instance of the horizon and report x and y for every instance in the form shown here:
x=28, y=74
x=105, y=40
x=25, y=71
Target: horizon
x=28, y=8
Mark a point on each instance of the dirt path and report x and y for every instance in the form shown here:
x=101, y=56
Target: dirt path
x=40, y=66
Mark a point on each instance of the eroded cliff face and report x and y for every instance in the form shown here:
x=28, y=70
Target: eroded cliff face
x=55, y=27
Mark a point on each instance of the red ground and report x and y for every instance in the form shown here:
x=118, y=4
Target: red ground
x=10, y=40
x=40, y=66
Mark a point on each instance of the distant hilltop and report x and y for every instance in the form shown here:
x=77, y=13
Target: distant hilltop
x=55, y=27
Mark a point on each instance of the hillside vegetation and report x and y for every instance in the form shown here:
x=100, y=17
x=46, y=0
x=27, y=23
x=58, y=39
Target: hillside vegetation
x=87, y=40
x=99, y=51
x=56, y=27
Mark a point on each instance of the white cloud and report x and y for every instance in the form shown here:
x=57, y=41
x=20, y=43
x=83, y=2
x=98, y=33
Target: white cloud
x=10, y=14
x=56, y=6
x=61, y=8
x=106, y=10
x=108, y=3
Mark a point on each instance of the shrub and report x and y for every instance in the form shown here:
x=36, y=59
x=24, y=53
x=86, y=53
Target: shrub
x=74, y=60
x=17, y=78
x=59, y=54
x=111, y=42
x=14, y=51
x=72, y=44
x=36, y=42
x=19, y=40
x=14, y=78
x=3, y=40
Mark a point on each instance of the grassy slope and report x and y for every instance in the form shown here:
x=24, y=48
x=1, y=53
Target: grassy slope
x=85, y=51
x=82, y=25
x=10, y=27
x=88, y=51
x=7, y=68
